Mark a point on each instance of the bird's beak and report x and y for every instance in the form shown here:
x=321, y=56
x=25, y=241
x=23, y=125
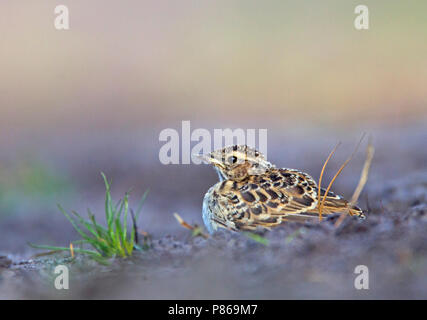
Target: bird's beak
x=207, y=159
x=204, y=157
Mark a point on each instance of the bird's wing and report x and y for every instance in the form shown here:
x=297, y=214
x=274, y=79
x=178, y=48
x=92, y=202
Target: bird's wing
x=265, y=200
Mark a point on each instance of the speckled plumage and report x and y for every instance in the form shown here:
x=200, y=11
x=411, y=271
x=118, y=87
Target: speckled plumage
x=252, y=193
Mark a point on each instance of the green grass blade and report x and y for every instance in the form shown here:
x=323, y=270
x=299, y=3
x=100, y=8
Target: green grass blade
x=257, y=238
x=125, y=218
x=119, y=230
x=101, y=231
x=119, y=247
x=74, y=224
x=108, y=204
x=86, y=223
x=141, y=202
x=53, y=248
x=116, y=215
x=129, y=244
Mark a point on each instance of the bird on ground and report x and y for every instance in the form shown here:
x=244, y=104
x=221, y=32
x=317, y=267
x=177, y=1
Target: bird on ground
x=252, y=193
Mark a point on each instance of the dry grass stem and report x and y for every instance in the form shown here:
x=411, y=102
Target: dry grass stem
x=195, y=229
x=370, y=150
x=337, y=174
x=321, y=176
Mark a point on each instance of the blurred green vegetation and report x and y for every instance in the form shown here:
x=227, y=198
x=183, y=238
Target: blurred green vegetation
x=31, y=184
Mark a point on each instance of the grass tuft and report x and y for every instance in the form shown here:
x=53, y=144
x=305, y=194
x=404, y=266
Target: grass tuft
x=104, y=242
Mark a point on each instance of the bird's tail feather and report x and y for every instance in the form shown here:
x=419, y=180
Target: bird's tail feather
x=336, y=204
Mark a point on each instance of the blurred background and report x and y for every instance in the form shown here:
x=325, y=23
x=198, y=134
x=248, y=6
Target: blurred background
x=95, y=98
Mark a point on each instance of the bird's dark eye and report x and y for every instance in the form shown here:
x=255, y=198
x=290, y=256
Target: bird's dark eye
x=232, y=159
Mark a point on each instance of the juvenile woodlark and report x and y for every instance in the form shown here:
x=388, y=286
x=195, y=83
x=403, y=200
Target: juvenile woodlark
x=252, y=193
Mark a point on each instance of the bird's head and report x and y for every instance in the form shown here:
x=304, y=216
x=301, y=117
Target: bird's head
x=237, y=162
